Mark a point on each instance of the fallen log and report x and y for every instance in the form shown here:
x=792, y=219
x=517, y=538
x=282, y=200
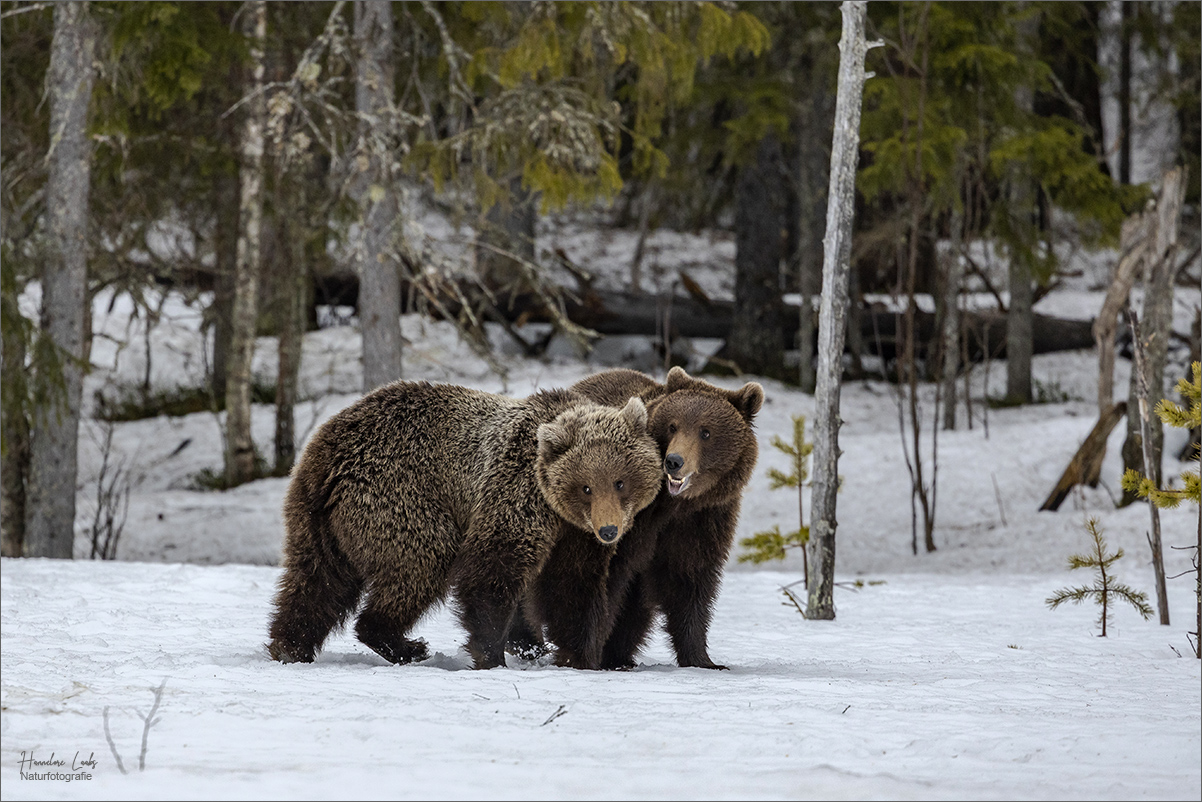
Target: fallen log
x=620, y=312
x=1085, y=467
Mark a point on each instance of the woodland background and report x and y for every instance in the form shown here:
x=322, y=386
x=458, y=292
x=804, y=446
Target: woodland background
x=275, y=162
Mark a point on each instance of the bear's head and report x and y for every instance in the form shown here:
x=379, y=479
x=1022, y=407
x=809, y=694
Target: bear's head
x=705, y=435
x=597, y=467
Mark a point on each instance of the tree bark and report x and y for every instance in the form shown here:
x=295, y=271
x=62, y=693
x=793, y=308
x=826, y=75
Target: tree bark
x=1019, y=332
x=1157, y=325
x=1134, y=245
x=1023, y=212
x=836, y=262
x=1086, y=465
x=1125, y=94
x=953, y=274
x=754, y=343
x=812, y=178
x=15, y=471
x=292, y=306
x=1142, y=410
x=375, y=192
x=54, y=442
x=239, y=446
x=225, y=246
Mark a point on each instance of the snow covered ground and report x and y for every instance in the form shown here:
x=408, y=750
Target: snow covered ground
x=929, y=686
x=944, y=675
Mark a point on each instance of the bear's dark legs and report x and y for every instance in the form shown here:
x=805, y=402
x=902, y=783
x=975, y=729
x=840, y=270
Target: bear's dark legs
x=386, y=618
x=572, y=599
x=315, y=596
x=687, y=603
x=524, y=639
x=486, y=618
x=498, y=560
x=630, y=628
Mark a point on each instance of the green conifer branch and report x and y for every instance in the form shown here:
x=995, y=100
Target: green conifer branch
x=1074, y=595
x=1104, y=587
x=772, y=545
x=1137, y=599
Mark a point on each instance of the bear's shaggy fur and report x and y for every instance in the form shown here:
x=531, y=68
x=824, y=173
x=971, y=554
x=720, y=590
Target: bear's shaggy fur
x=597, y=602
x=416, y=489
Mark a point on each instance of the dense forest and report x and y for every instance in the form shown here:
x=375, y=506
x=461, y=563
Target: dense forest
x=288, y=152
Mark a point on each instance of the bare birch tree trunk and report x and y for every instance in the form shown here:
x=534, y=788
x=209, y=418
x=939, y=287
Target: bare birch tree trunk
x=50, y=510
x=239, y=446
x=836, y=263
x=374, y=191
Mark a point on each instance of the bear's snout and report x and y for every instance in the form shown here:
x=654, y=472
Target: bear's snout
x=608, y=534
x=673, y=463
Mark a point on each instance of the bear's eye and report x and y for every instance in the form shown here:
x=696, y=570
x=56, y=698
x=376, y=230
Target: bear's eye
x=588, y=491
x=618, y=485
x=672, y=428
x=705, y=434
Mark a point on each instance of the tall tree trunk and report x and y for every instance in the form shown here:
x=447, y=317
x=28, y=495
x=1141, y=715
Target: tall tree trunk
x=754, y=343
x=1125, y=33
x=293, y=305
x=953, y=274
x=1020, y=325
x=14, y=473
x=1157, y=327
x=239, y=446
x=50, y=511
x=1145, y=397
x=378, y=264
x=225, y=246
x=836, y=262
x=1135, y=242
x=813, y=174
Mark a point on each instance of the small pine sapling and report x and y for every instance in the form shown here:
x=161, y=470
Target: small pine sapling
x=772, y=544
x=1183, y=418
x=1104, y=586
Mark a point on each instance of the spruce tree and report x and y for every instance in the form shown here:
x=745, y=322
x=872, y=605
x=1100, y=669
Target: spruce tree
x=1104, y=587
x=772, y=544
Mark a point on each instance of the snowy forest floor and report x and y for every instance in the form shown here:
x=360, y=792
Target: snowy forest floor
x=929, y=686
x=944, y=675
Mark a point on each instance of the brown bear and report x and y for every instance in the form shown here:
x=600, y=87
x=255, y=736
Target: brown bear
x=417, y=489
x=597, y=601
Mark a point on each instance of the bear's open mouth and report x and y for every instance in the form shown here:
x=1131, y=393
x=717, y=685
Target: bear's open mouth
x=677, y=486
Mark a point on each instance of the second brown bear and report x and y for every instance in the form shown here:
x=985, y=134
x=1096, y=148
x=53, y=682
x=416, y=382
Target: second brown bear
x=598, y=602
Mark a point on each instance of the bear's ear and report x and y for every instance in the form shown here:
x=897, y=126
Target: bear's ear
x=553, y=440
x=748, y=400
x=677, y=379
x=635, y=415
